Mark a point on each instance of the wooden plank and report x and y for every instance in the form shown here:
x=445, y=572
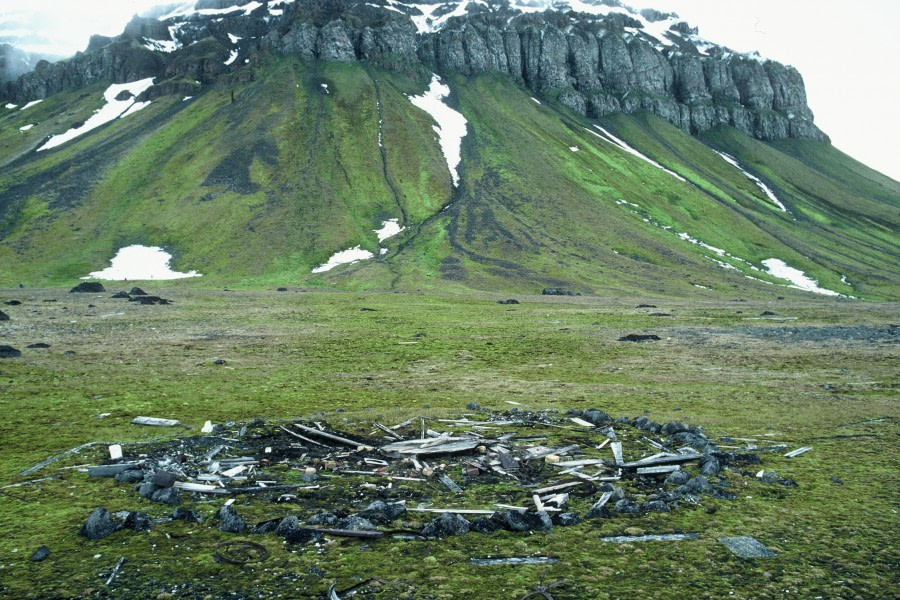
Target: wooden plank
x=196, y=487
x=155, y=422
x=557, y=487
x=461, y=511
x=603, y=500
x=450, y=483
x=617, y=452
x=584, y=462
x=798, y=452
x=581, y=422
x=666, y=459
x=658, y=470
x=388, y=431
x=333, y=438
x=514, y=560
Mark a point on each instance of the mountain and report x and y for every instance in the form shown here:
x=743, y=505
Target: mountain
x=15, y=62
x=498, y=146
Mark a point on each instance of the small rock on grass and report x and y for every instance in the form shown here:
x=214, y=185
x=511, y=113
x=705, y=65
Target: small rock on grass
x=9, y=352
x=231, y=521
x=3, y=316
x=184, y=514
x=40, y=554
x=88, y=287
x=98, y=525
x=445, y=525
x=527, y=521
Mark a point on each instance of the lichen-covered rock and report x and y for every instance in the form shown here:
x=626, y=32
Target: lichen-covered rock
x=98, y=525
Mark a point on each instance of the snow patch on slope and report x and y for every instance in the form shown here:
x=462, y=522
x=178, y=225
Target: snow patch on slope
x=388, y=229
x=610, y=138
x=451, y=125
x=762, y=186
x=778, y=268
x=112, y=110
x=140, y=262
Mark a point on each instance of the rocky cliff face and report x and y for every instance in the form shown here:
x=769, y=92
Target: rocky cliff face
x=596, y=64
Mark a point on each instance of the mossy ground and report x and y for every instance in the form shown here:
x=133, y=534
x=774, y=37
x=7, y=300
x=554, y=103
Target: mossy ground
x=297, y=353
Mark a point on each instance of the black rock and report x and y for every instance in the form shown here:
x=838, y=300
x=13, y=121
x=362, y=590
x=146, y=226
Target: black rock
x=673, y=427
x=40, y=554
x=695, y=486
x=16, y=303
x=9, y=352
x=596, y=417
x=657, y=506
x=527, y=521
x=836, y=480
x=266, y=526
x=302, y=535
x=257, y=422
x=219, y=361
x=387, y=511
x=88, y=287
x=146, y=300
x=3, y=316
x=445, y=525
x=281, y=289
x=230, y=520
x=659, y=314
x=168, y=496
x=639, y=337
x=678, y=478
x=138, y=521
x=646, y=306
x=601, y=512
x=136, y=291
x=568, y=519
x=120, y=295
x=473, y=406
x=184, y=514
x=326, y=519
x=38, y=345
x=510, y=301
x=130, y=476
x=626, y=505
x=556, y=291
x=487, y=525
x=709, y=466
x=694, y=440
x=766, y=313
x=98, y=525
x=356, y=523
x=286, y=525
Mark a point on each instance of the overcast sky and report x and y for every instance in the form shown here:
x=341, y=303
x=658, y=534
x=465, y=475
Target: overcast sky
x=846, y=51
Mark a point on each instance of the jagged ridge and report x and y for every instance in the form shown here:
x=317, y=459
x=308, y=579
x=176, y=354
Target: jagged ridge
x=596, y=64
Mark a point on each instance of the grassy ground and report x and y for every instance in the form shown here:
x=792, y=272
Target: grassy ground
x=809, y=381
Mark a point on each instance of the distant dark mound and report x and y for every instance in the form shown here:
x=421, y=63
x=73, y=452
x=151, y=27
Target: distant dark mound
x=9, y=352
x=136, y=291
x=88, y=287
x=638, y=337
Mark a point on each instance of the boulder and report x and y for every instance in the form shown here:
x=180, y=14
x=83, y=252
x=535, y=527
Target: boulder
x=40, y=554
x=527, y=521
x=88, y=287
x=9, y=351
x=445, y=525
x=138, y=521
x=323, y=519
x=230, y=520
x=3, y=316
x=356, y=523
x=98, y=525
x=184, y=514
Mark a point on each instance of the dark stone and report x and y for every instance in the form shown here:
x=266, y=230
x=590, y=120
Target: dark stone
x=473, y=406
x=709, y=466
x=281, y=289
x=88, y=287
x=138, y=521
x=445, y=525
x=230, y=520
x=286, y=525
x=673, y=427
x=601, y=512
x=9, y=351
x=40, y=554
x=166, y=496
x=130, y=476
x=356, y=523
x=527, y=521
x=136, y=291
x=184, y=514
x=695, y=486
x=302, y=535
x=568, y=519
x=120, y=295
x=3, y=316
x=326, y=519
x=639, y=337
x=146, y=489
x=98, y=525
x=164, y=479
x=265, y=526
x=646, y=306
x=657, y=506
x=147, y=300
x=677, y=478
x=487, y=525
x=510, y=301
x=556, y=291
x=15, y=303
x=38, y=345
x=694, y=440
x=766, y=313
x=626, y=505
x=836, y=480
x=596, y=417
x=385, y=510
x=219, y=361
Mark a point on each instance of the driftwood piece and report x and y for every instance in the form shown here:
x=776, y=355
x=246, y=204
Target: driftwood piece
x=115, y=571
x=513, y=560
x=197, y=487
x=584, y=462
x=271, y=488
x=460, y=511
x=32, y=482
x=448, y=446
x=603, y=500
x=450, y=483
x=662, y=459
x=557, y=487
x=388, y=431
x=658, y=470
x=301, y=437
x=348, y=533
x=581, y=422
x=797, y=452
x=333, y=438
x=155, y=422
x=667, y=537
x=617, y=452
